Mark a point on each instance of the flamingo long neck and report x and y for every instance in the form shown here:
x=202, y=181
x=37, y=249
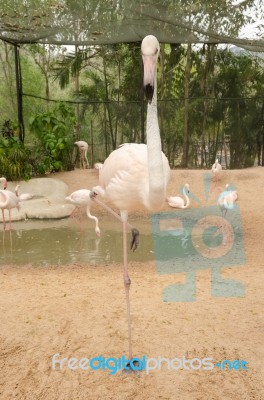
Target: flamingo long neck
x=186, y=198
x=4, y=203
x=155, y=164
x=89, y=215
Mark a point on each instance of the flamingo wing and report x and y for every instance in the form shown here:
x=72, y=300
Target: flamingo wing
x=125, y=178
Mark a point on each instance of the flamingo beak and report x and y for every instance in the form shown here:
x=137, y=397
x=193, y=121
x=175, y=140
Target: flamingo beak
x=149, y=62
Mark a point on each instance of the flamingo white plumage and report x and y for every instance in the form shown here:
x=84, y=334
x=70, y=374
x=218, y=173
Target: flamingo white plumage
x=8, y=200
x=137, y=174
x=23, y=196
x=226, y=200
x=83, y=149
x=178, y=202
x=98, y=165
x=216, y=168
x=4, y=180
x=82, y=198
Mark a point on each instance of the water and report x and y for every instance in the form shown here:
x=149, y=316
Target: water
x=65, y=241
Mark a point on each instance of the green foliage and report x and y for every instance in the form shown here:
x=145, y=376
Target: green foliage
x=54, y=130
x=14, y=159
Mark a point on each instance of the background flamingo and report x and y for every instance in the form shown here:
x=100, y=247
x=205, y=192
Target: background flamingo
x=83, y=149
x=179, y=202
x=23, y=196
x=82, y=198
x=216, y=168
x=8, y=200
x=137, y=175
x=4, y=180
x=226, y=200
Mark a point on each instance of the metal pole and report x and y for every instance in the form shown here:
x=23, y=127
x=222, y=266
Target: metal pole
x=19, y=95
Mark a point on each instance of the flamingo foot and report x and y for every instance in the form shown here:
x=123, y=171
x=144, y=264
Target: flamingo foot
x=135, y=239
x=133, y=366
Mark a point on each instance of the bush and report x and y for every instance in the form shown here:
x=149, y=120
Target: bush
x=56, y=144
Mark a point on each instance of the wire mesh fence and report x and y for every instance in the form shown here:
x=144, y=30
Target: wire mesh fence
x=236, y=139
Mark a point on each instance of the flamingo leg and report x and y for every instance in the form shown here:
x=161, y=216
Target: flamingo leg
x=127, y=283
x=134, y=231
x=10, y=223
x=4, y=223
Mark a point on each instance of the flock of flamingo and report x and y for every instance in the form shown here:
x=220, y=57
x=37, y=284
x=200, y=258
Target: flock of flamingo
x=133, y=175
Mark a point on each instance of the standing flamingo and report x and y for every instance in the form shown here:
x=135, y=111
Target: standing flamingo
x=4, y=180
x=83, y=149
x=177, y=201
x=8, y=200
x=137, y=174
x=226, y=200
x=82, y=198
x=216, y=168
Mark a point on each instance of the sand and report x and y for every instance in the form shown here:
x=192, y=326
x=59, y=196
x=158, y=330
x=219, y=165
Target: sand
x=79, y=311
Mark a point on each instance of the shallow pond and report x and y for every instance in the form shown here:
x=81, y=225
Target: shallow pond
x=67, y=241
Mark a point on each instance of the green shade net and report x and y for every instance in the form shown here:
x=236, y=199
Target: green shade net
x=107, y=21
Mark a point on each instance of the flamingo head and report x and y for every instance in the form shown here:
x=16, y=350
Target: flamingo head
x=97, y=231
x=150, y=49
x=187, y=187
x=3, y=179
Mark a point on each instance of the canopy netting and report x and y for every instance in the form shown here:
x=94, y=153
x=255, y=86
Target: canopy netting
x=84, y=22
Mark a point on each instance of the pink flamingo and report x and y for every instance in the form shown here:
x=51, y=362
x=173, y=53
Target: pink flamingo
x=82, y=198
x=83, y=149
x=177, y=201
x=8, y=200
x=137, y=174
x=226, y=200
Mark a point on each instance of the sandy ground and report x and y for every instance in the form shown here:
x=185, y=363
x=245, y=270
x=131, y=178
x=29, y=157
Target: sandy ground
x=79, y=311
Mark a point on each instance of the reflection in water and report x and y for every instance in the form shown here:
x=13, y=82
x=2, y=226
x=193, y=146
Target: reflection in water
x=60, y=242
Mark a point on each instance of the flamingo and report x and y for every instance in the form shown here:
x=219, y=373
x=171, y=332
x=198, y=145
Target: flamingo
x=216, y=168
x=23, y=196
x=83, y=148
x=137, y=174
x=4, y=180
x=81, y=198
x=177, y=201
x=98, y=165
x=226, y=200
x=8, y=200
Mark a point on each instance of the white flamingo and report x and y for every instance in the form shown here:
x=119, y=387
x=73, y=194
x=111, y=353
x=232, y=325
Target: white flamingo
x=23, y=196
x=82, y=198
x=83, y=149
x=98, y=165
x=216, y=168
x=226, y=200
x=178, y=202
x=8, y=200
x=4, y=180
x=137, y=175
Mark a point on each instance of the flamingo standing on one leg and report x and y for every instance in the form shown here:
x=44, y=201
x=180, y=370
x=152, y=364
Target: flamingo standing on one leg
x=178, y=202
x=138, y=174
x=82, y=198
x=83, y=149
